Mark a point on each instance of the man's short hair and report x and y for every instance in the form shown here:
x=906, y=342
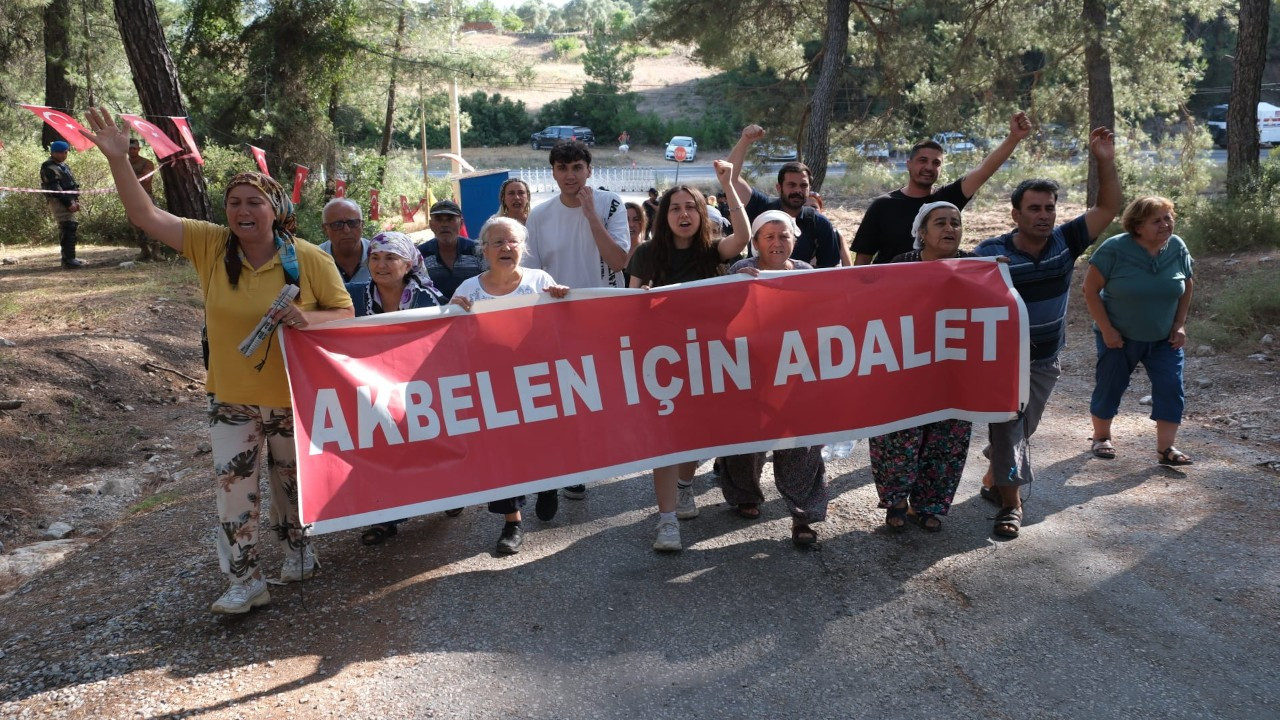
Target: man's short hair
x=569, y=152
x=1037, y=184
x=343, y=201
x=924, y=145
x=794, y=166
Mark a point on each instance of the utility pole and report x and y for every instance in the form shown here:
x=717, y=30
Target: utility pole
x=455, y=132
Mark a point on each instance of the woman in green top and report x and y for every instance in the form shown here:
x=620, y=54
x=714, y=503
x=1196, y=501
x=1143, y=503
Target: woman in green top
x=1138, y=290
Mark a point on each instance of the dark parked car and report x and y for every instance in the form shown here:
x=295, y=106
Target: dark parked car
x=548, y=137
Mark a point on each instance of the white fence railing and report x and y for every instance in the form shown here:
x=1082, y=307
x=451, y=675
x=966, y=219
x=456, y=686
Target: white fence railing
x=630, y=179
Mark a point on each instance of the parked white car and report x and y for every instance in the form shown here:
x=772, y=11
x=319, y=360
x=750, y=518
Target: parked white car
x=682, y=141
x=954, y=142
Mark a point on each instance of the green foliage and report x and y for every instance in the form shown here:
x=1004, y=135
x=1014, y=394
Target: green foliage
x=495, y=120
x=511, y=22
x=563, y=47
x=25, y=217
x=1239, y=310
x=607, y=60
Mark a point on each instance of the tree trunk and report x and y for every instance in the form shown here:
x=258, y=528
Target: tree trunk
x=1097, y=64
x=58, y=91
x=156, y=79
x=385, y=148
x=822, y=104
x=1246, y=91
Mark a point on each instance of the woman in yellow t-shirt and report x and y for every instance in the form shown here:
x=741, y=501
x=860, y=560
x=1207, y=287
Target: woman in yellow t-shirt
x=242, y=269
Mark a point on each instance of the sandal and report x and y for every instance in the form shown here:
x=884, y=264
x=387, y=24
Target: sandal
x=377, y=534
x=750, y=511
x=803, y=536
x=899, y=514
x=1008, y=522
x=1174, y=457
x=1102, y=448
x=930, y=522
x=990, y=495
x=453, y=513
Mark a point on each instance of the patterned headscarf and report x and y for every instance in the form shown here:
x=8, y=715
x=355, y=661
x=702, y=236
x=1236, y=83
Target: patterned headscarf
x=282, y=229
x=418, y=281
x=917, y=227
x=286, y=223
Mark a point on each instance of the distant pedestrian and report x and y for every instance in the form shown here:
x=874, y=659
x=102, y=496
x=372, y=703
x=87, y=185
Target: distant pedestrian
x=148, y=249
x=64, y=202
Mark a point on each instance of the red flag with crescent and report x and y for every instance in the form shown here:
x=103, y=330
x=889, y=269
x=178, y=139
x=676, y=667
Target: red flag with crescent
x=299, y=177
x=156, y=138
x=261, y=156
x=340, y=188
x=373, y=205
x=66, y=126
x=184, y=129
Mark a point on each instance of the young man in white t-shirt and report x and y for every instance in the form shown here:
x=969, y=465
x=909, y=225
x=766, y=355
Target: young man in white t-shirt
x=580, y=237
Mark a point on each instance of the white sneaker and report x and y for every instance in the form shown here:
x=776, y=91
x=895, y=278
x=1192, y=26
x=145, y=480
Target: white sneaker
x=668, y=539
x=297, y=568
x=241, y=597
x=686, y=504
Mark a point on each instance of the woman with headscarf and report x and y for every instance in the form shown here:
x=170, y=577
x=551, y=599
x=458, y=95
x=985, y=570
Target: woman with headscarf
x=799, y=473
x=502, y=241
x=242, y=269
x=682, y=250
x=918, y=469
x=398, y=280
x=514, y=200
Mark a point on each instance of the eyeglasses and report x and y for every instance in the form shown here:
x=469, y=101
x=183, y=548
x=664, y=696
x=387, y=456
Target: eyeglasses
x=503, y=243
x=340, y=224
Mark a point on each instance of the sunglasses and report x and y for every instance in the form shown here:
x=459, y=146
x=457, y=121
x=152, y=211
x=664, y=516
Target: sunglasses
x=340, y=224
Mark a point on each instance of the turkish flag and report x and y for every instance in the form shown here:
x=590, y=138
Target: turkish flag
x=299, y=177
x=340, y=188
x=184, y=129
x=405, y=212
x=261, y=156
x=373, y=204
x=66, y=126
x=158, y=141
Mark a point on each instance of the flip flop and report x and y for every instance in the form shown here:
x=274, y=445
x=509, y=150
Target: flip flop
x=1102, y=448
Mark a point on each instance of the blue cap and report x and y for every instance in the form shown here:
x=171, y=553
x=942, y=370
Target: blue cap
x=59, y=146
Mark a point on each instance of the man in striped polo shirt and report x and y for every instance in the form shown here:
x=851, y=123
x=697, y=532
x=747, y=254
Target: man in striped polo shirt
x=1042, y=258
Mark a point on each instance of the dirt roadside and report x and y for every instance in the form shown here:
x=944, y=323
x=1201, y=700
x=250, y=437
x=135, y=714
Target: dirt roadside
x=110, y=440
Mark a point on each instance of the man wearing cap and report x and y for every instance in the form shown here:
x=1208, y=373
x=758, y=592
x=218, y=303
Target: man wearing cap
x=450, y=259
x=143, y=168
x=818, y=243
x=651, y=209
x=343, y=223
x=885, y=232
x=56, y=177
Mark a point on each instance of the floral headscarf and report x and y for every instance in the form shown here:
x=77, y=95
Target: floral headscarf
x=283, y=229
x=418, y=281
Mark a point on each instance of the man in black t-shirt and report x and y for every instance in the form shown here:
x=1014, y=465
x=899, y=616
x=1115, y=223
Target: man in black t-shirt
x=885, y=231
x=818, y=244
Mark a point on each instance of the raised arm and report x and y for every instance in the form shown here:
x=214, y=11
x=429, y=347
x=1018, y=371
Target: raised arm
x=114, y=144
x=738, y=157
x=1019, y=128
x=1102, y=145
x=732, y=246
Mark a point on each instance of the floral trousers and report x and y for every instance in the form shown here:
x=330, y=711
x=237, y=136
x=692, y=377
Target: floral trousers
x=922, y=465
x=799, y=473
x=236, y=433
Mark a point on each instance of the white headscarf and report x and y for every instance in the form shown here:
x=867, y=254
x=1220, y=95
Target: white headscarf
x=917, y=227
x=774, y=216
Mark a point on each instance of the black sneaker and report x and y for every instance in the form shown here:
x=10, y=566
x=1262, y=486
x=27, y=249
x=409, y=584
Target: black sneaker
x=72, y=264
x=548, y=504
x=575, y=492
x=511, y=539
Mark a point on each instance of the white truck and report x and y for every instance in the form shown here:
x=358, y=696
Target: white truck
x=1268, y=124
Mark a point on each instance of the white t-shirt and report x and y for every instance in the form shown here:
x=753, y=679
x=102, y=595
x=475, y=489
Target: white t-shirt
x=531, y=282
x=560, y=241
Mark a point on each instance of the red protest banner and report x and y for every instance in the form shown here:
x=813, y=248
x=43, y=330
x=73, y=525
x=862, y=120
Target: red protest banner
x=184, y=129
x=340, y=188
x=261, y=156
x=373, y=205
x=66, y=126
x=408, y=413
x=299, y=177
x=158, y=141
